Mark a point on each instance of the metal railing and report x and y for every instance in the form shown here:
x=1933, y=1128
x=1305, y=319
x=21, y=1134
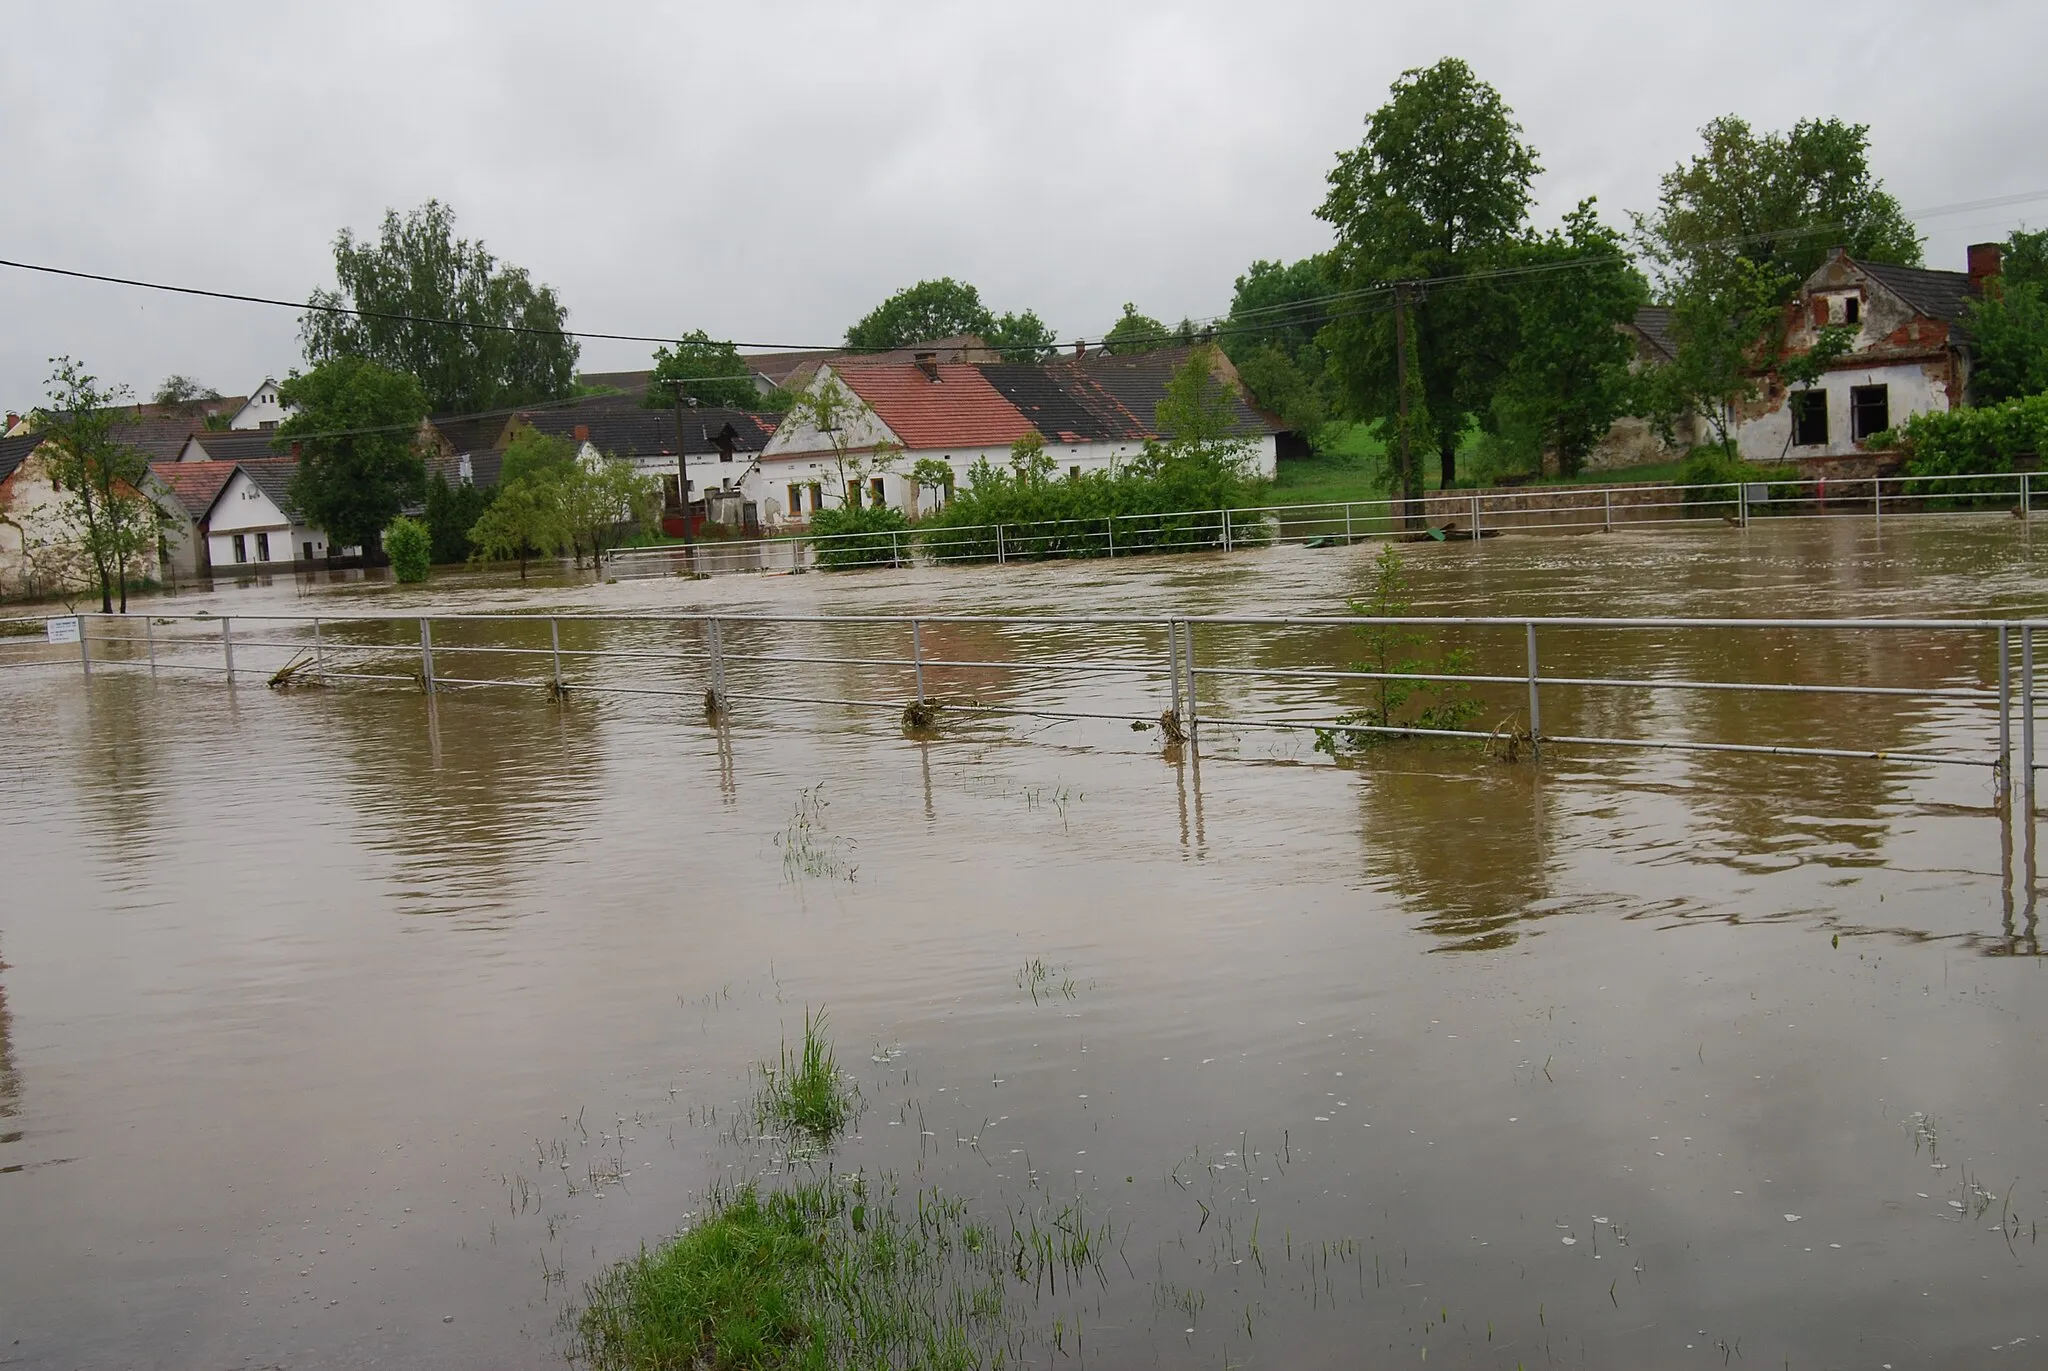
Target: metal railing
x=1465, y=513
x=1951, y=687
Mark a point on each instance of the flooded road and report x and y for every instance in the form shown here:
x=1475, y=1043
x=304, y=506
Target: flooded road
x=339, y=1029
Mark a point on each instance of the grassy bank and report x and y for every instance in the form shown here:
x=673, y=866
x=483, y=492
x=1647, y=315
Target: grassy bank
x=1347, y=469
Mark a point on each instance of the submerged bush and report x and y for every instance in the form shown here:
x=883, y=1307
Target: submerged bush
x=1711, y=474
x=1991, y=441
x=857, y=536
x=410, y=545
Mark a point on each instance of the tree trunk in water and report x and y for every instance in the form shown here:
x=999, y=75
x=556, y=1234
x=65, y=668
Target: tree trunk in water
x=1448, y=451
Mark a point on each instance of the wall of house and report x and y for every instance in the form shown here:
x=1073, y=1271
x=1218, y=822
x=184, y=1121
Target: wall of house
x=1764, y=433
x=40, y=552
x=244, y=509
x=768, y=485
x=262, y=409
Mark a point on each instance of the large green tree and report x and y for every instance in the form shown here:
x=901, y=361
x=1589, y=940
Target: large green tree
x=476, y=333
x=1436, y=191
x=711, y=373
x=1567, y=374
x=2009, y=326
x=1276, y=311
x=357, y=425
x=1776, y=201
x=1021, y=337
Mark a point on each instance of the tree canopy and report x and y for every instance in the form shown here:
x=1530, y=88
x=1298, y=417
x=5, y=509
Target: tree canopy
x=2009, y=326
x=947, y=308
x=357, y=424
x=99, y=479
x=1436, y=191
x=1135, y=332
x=1777, y=201
x=711, y=373
x=504, y=347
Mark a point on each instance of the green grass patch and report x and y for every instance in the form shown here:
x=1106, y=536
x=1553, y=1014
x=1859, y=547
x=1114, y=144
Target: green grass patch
x=839, y=1272
x=805, y=1095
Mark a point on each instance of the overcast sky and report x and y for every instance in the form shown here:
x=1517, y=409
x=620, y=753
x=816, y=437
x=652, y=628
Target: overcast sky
x=769, y=171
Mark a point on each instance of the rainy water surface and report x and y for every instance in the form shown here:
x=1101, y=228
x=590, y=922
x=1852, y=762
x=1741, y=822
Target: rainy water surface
x=336, y=1030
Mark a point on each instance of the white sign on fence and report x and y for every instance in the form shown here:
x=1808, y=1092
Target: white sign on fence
x=63, y=630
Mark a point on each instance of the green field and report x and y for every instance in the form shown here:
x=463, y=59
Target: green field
x=1345, y=471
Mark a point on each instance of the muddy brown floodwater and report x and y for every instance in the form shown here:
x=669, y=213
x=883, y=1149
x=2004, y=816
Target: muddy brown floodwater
x=331, y=1039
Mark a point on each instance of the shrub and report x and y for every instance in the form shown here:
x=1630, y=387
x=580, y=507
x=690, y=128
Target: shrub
x=1970, y=442
x=858, y=536
x=1711, y=474
x=410, y=545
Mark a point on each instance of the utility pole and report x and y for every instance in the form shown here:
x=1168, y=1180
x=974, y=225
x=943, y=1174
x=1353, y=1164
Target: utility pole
x=1406, y=458
x=682, y=468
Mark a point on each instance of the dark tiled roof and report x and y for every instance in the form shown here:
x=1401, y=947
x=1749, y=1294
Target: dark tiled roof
x=195, y=485
x=1937, y=294
x=1064, y=405
x=485, y=466
x=1137, y=381
x=1653, y=326
x=238, y=444
x=469, y=433
x=161, y=436
x=15, y=451
x=628, y=430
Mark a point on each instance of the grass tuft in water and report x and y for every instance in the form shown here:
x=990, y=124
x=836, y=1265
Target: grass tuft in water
x=805, y=1093
x=835, y=1272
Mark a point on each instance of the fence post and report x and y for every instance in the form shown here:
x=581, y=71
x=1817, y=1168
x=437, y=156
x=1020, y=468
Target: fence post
x=999, y=544
x=319, y=653
x=427, y=655
x=1742, y=504
x=1535, y=703
x=555, y=644
x=1110, y=524
x=2026, y=501
x=1347, y=523
x=2004, y=712
x=1475, y=516
x=84, y=649
x=1188, y=642
x=1877, y=498
x=1607, y=510
x=1226, y=530
x=917, y=655
x=2027, y=712
x=895, y=551
x=714, y=641
x=149, y=633
x=227, y=644
x=1173, y=662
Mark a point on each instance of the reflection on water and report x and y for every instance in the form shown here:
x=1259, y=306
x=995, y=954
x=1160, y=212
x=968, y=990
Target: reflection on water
x=366, y=1026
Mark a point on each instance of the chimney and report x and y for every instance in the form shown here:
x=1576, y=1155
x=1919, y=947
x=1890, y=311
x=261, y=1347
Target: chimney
x=928, y=363
x=1987, y=261
x=295, y=447
x=12, y=420
x=1080, y=348
x=1838, y=253
x=582, y=433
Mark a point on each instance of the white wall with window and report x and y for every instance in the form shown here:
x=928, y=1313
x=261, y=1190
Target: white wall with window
x=263, y=408
x=1838, y=416
x=245, y=528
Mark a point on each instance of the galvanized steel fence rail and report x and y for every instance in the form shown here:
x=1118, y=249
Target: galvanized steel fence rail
x=1468, y=513
x=1208, y=671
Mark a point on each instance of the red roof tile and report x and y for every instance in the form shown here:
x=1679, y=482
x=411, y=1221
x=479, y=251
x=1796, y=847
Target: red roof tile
x=960, y=409
x=196, y=484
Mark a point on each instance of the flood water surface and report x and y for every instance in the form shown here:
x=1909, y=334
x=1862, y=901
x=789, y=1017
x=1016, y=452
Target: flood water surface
x=339, y=1029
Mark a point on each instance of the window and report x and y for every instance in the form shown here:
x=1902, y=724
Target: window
x=876, y=488
x=1809, y=418
x=263, y=547
x=307, y=550
x=796, y=498
x=241, y=548
x=1870, y=411
x=1852, y=310
x=268, y=424
x=1074, y=472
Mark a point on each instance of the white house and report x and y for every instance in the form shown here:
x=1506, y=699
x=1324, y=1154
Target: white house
x=262, y=409
x=251, y=523
x=1092, y=414
x=41, y=548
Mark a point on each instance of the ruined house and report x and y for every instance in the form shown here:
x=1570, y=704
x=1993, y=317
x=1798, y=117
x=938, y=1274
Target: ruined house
x=1910, y=355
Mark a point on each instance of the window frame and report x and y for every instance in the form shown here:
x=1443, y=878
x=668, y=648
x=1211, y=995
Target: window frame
x=241, y=547
x=1860, y=405
x=263, y=547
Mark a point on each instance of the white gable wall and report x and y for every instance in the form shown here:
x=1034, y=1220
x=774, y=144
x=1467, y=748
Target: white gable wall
x=243, y=511
x=262, y=410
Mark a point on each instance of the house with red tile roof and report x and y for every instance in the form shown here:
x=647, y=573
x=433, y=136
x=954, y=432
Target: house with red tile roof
x=1093, y=413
